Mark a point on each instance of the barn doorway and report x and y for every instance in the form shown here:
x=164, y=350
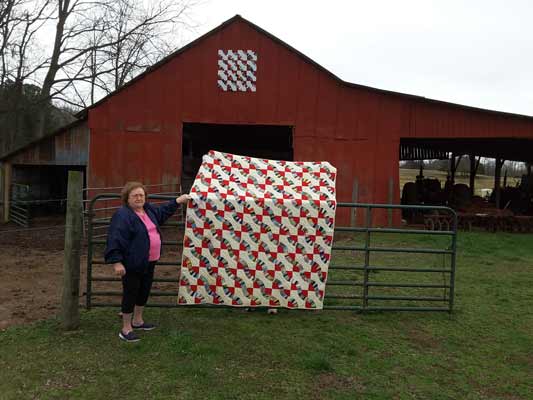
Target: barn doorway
x=42, y=189
x=274, y=142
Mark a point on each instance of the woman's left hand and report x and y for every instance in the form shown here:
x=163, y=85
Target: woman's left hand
x=183, y=199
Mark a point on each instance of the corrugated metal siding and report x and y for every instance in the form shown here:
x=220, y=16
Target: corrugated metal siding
x=433, y=120
x=356, y=129
x=70, y=147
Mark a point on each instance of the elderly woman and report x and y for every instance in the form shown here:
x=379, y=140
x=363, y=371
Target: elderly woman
x=134, y=247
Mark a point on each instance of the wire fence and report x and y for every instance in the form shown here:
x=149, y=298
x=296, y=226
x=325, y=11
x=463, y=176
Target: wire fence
x=23, y=211
x=106, y=207
x=40, y=228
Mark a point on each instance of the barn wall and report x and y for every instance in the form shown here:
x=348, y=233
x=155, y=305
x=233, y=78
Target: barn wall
x=136, y=134
x=436, y=120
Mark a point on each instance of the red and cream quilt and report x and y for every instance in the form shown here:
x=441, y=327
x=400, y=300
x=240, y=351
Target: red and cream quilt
x=258, y=233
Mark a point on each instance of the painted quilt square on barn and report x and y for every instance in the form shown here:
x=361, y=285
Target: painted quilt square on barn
x=258, y=233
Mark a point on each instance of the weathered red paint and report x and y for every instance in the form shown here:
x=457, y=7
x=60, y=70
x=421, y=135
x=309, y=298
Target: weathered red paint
x=69, y=146
x=136, y=133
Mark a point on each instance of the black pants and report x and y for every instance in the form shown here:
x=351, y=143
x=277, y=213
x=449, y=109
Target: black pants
x=136, y=288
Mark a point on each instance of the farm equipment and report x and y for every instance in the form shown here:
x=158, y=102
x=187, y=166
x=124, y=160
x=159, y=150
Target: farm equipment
x=514, y=215
x=484, y=215
x=519, y=199
x=428, y=191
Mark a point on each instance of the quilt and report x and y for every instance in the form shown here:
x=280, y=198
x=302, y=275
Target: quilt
x=258, y=233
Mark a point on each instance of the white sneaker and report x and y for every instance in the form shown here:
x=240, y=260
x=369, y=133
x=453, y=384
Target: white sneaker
x=272, y=311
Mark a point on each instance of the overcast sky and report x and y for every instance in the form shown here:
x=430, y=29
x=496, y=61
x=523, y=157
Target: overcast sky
x=472, y=52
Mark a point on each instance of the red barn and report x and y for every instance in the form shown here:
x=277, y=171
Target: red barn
x=240, y=89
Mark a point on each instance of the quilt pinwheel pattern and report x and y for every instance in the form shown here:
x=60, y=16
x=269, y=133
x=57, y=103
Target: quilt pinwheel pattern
x=258, y=233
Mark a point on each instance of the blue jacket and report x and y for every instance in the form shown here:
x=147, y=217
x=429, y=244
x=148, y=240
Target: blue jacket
x=127, y=237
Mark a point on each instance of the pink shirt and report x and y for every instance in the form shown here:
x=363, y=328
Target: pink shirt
x=153, y=235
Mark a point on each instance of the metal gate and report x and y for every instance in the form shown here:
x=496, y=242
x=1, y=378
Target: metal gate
x=380, y=284
x=19, y=209
x=361, y=278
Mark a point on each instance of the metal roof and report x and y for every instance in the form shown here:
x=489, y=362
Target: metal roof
x=303, y=56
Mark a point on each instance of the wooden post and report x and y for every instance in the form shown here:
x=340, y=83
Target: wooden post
x=2, y=212
x=391, y=200
x=70, y=317
x=7, y=189
x=472, y=173
x=474, y=165
x=497, y=175
x=451, y=167
x=355, y=196
x=505, y=178
x=454, y=165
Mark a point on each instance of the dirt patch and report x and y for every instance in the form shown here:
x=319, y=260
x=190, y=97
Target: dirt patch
x=31, y=263
x=490, y=391
x=332, y=381
x=31, y=268
x=424, y=340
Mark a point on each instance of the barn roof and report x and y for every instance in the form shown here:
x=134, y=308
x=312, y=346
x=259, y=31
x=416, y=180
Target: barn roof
x=238, y=18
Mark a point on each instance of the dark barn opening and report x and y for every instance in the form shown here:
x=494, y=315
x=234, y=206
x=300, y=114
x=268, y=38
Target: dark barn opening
x=274, y=142
x=42, y=189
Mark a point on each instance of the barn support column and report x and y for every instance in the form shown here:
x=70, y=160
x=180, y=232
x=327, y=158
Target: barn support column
x=474, y=165
x=6, y=189
x=452, y=168
x=454, y=165
x=505, y=179
x=497, y=176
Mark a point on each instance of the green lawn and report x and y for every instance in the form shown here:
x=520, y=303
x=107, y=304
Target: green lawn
x=484, y=350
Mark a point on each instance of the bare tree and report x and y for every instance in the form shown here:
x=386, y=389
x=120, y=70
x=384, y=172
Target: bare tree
x=138, y=37
x=8, y=25
x=21, y=21
x=29, y=23
x=97, y=45
x=106, y=42
x=6, y=29
x=149, y=43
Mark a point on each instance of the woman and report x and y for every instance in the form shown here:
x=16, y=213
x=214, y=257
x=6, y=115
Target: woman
x=134, y=247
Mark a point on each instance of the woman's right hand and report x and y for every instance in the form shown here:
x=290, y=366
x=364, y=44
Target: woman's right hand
x=183, y=199
x=119, y=269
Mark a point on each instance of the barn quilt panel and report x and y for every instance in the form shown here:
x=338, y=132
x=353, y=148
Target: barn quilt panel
x=258, y=233
x=237, y=70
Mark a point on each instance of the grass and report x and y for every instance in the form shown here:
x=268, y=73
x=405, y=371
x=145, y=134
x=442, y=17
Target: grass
x=484, y=350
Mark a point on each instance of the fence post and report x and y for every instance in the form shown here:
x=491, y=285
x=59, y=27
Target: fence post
x=6, y=175
x=2, y=190
x=70, y=317
x=391, y=200
x=355, y=199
